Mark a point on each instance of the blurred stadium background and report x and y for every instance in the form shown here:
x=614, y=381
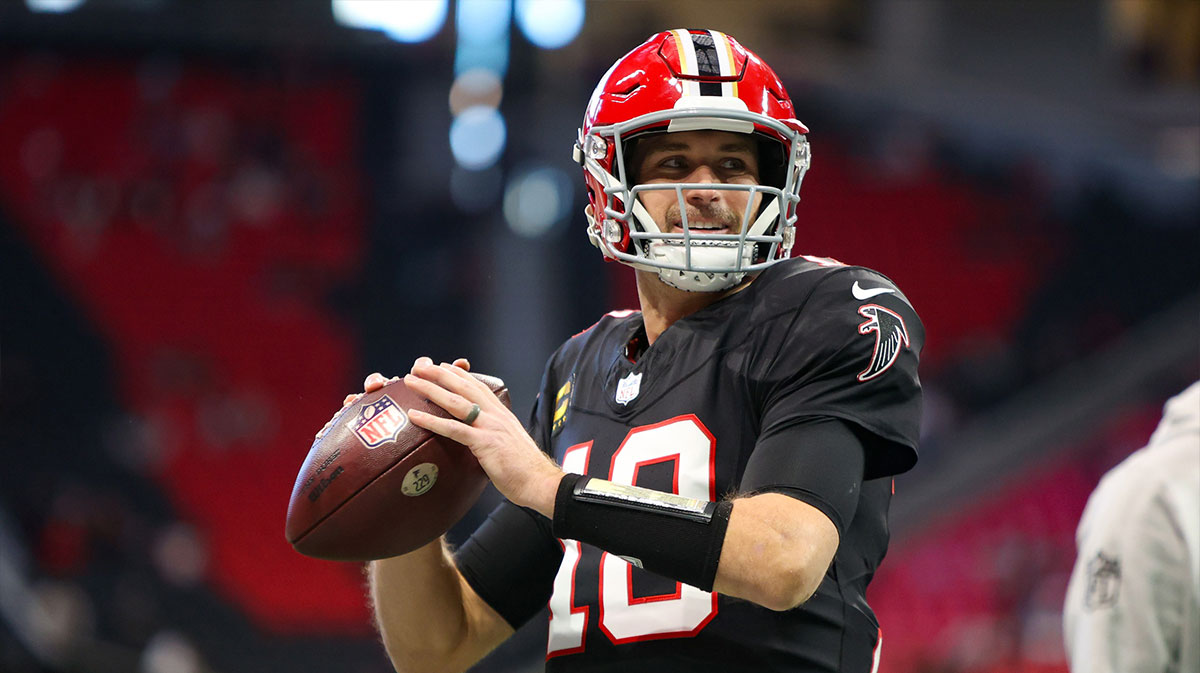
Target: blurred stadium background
x=217, y=216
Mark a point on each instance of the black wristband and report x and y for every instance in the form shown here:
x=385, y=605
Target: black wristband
x=673, y=536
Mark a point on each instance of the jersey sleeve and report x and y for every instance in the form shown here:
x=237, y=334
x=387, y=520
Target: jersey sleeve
x=1127, y=597
x=510, y=561
x=847, y=349
x=819, y=462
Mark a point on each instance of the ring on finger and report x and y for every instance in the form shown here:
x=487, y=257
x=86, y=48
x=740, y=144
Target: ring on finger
x=472, y=414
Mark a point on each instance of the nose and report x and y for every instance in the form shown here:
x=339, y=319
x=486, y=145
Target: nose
x=702, y=197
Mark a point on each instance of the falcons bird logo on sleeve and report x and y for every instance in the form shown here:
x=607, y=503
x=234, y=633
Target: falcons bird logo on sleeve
x=890, y=336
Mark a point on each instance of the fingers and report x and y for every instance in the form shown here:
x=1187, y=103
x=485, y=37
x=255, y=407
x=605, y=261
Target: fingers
x=453, y=402
x=461, y=363
x=375, y=381
x=456, y=380
x=446, y=427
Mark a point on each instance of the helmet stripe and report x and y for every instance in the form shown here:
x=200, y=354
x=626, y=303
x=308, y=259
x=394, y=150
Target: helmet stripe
x=725, y=58
x=687, y=61
x=682, y=40
x=708, y=63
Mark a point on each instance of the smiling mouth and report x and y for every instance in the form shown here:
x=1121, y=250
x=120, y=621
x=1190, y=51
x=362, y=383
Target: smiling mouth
x=702, y=228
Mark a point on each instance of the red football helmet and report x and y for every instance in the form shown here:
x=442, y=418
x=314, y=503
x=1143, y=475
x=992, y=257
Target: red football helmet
x=689, y=80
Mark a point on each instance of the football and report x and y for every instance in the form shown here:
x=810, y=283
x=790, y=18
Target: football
x=375, y=485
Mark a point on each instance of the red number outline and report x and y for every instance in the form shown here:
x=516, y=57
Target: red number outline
x=677, y=458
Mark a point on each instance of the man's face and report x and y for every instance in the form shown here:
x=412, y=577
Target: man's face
x=703, y=157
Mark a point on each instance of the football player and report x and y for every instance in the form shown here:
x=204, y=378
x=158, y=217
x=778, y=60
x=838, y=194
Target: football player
x=703, y=484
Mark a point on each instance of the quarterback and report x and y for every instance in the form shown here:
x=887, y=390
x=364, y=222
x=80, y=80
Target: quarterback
x=703, y=484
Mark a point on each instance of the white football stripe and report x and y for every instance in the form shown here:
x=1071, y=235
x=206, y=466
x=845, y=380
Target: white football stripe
x=723, y=52
x=687, y=62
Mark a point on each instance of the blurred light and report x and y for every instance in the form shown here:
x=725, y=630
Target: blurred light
x=53, y=6
x=170, y=652
x=550, y=24
x=475, y=87
x=536, y=200
x=477, y=137
x=401, y=20
x=180, y=555
x=483, y=27
x=484, y=55
x=483, y=20
x=475, y=192
x=61, y=618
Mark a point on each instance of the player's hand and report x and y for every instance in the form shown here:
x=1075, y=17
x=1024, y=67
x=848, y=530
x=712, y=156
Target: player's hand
x=512, y=460
x=375, y=381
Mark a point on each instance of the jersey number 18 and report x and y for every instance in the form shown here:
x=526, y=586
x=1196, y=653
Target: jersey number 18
x=623, y=617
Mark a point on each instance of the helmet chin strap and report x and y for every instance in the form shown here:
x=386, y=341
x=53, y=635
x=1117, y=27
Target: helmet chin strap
x=769, y=214
x=664, y=253
x=704, y=254
x=718, y=255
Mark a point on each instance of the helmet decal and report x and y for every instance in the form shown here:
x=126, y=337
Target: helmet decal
x=704, y=62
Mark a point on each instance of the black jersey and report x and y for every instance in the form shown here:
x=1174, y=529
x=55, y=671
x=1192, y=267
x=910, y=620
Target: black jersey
x=808, y=339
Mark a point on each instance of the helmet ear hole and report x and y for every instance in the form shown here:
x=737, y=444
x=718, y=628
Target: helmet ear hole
x=629, y=159
x=772, y=162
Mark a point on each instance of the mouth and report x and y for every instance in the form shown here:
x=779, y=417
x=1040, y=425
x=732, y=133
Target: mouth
x=701, y=228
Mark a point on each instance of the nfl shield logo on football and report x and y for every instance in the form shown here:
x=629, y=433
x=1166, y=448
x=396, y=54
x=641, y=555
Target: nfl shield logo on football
x=379, y=422
x=628, y=388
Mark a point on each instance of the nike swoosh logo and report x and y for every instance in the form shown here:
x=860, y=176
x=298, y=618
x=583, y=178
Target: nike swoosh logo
x=862, y=294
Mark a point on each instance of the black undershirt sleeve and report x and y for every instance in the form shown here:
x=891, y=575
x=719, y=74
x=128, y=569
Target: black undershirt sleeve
x=816, y=460
x=510, y=561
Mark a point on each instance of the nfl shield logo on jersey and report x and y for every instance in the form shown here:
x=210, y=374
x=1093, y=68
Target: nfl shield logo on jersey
x=379, y=422
x=1104, y=581
x=628, y=388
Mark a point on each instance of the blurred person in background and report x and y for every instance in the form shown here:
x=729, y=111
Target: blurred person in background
x=726, y=453
x=1133, y=602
